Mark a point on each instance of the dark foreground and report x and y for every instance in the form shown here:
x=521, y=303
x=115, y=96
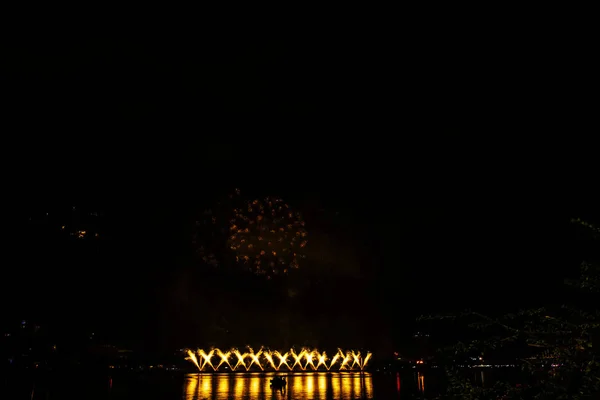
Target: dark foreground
x=250, y=386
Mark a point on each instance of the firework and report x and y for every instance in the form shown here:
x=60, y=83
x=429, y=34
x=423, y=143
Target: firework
x=350, y=360
x=266, y=236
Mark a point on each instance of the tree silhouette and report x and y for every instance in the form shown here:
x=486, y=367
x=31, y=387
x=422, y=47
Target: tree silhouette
x=554, y=345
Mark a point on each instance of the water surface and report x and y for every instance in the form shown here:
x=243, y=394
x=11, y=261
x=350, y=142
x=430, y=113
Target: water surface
x=222, y=386
x=251, y=386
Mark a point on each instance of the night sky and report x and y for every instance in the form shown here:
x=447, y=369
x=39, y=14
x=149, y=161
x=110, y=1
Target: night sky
x=430, y=181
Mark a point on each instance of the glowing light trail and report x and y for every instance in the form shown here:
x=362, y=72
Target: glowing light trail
x=192, y=357
x=224, y=358
x=282, y=360
x=274, y=360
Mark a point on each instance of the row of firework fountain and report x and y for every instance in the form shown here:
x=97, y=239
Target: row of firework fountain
x=265, y=359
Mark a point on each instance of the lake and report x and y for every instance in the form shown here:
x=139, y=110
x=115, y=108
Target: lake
x=249, y=386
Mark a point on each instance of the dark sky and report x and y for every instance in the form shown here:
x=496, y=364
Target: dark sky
x=436, y=174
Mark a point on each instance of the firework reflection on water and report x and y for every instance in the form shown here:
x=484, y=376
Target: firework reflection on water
x=301, y=385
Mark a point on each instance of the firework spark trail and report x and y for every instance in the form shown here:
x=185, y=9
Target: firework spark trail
x=224, y=358
x=206, y=357
x=308, y=355
x=240, y=358
x=192, y=357
x=254, y=358
x=297, y=358
x=345, y=361
x=282, y=359
x=333, y=360
x=366, y=360
x=355, y=358
x=269, y=358
x=322, y=358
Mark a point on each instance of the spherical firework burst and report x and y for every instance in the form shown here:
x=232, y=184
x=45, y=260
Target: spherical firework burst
x=267, y=236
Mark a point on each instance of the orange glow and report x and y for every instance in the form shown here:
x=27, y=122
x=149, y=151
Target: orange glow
x=205, y=384
x=191, y=387
x=222, y=385
x=322, y=386
x=310, y=383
